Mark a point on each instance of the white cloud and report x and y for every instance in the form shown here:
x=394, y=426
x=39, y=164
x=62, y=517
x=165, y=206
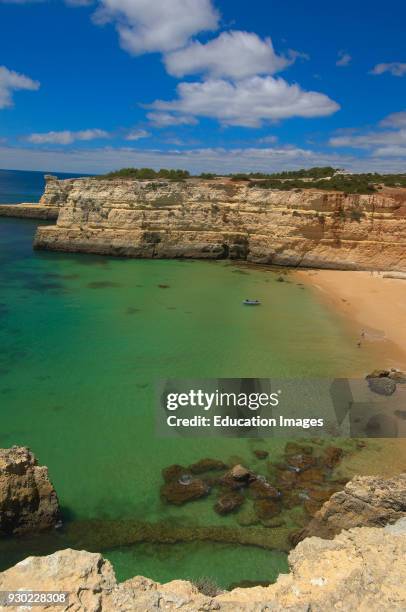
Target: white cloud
x=137, y=134
x=195, y=160
x=370, y=139
x=11, y=81
x=233, y=54
x=394, y=68
x=394, y=120
x=66, y=137
x=269, y=139
x=162, y=120
x=344, y=59
x=148, y=25
x=248, y=102
x=380, y=142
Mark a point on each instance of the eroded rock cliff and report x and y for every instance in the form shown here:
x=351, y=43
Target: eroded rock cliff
x=365, y=501
x=221, y=218
x=28, y=501
x=361, y=569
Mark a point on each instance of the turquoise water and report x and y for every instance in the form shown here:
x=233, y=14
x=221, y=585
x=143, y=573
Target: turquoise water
x=83, y=340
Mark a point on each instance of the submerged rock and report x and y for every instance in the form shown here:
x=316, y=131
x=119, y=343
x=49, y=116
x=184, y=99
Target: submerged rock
x=301, y=462
x=266, y=508
x=332, y=456
x=207, y=465
x=178, y=493
x=293, y=448
x=261, y=489
x=28, y=501
x=237, y=478
x=261, y=454
x=229, y=502
x=173, y=472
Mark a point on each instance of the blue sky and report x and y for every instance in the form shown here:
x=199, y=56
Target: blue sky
x=226, y=85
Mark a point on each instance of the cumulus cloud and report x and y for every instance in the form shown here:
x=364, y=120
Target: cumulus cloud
x=10, y=82
x=66, y=137
x=394, y=68
x=147, y=25
x=162, y=120
x=343, y=59
x=248, y=102
x=233, y=54
x=137, y=134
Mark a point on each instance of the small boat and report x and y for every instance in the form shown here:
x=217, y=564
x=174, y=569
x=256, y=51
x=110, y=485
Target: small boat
x=248, y=302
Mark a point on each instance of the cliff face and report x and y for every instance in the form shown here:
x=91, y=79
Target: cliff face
x=220, y=218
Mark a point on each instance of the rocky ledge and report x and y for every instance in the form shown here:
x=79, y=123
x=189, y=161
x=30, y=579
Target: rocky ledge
x=225, y=219
x=365, y=501
x=28, y=501
x=29, y=211
x=347, y=573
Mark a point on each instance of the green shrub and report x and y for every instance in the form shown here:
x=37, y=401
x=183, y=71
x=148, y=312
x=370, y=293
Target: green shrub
x=146, y=173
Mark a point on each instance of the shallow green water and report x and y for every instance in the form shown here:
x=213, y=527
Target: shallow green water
x=83, y=340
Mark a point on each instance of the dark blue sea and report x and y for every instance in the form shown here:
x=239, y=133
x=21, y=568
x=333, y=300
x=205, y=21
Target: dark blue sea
x=24, y=186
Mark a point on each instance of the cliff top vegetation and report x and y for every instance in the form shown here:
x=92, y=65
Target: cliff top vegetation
x=326, y=177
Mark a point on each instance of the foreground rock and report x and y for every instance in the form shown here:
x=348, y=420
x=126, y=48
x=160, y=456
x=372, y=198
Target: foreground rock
x=226, y=219
x=347, y=573
x=28, y=502
x=365, y=501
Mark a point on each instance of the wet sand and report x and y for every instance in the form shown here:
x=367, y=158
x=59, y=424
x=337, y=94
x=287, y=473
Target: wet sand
x=375, y=306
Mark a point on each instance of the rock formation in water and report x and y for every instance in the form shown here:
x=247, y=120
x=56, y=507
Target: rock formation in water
x=225, y=219
x=28, y=502
x=365, y=501
x=361, y=569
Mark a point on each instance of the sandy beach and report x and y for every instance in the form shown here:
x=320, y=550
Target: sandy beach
x=375, y=306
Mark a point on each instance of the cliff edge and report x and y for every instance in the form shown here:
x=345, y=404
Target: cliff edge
x=347, y=573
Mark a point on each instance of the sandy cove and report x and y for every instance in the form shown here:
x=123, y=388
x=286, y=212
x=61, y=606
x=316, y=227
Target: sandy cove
x=372, y=303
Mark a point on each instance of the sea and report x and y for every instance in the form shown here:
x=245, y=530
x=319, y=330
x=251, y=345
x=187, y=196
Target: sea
x=84, y=340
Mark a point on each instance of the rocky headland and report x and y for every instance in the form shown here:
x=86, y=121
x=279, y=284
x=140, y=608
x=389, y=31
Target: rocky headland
x=221, y=218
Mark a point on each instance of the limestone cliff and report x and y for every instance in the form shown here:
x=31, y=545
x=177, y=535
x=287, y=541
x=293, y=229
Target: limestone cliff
x=361, y=569
x=222, y=218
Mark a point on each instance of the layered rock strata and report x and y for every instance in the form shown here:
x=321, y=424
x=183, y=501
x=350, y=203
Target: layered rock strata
x=347, y=573
x=226, y=219
x=28, y=501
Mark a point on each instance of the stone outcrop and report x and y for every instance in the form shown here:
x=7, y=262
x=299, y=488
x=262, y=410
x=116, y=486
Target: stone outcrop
x=225, y=219
x=365, y=501
x=28, y=502
x=361, y=569
x=29, y=211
